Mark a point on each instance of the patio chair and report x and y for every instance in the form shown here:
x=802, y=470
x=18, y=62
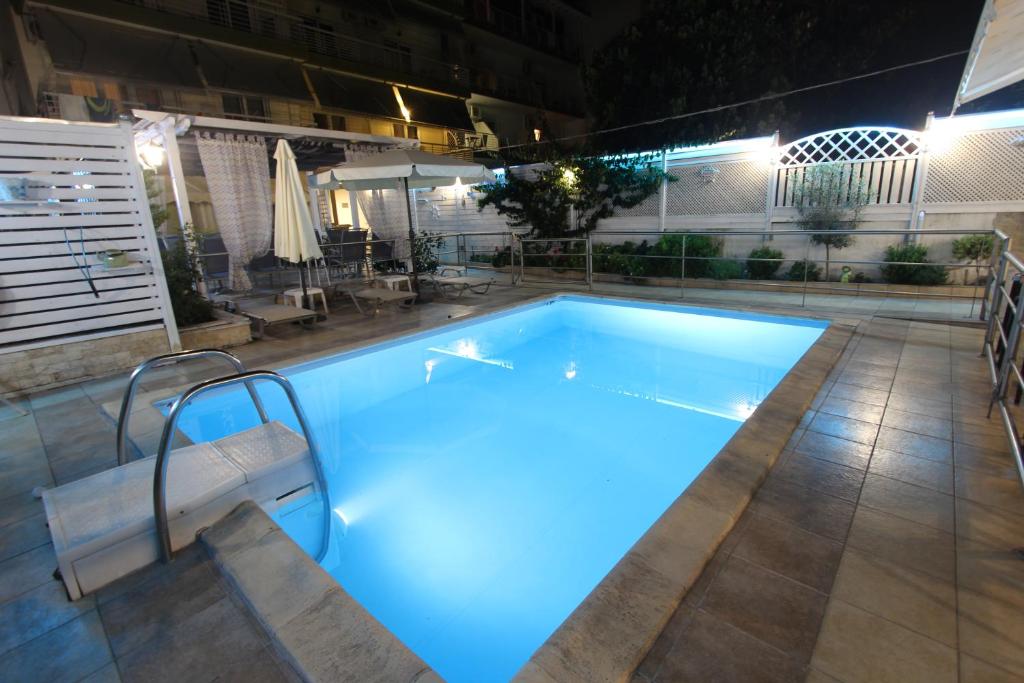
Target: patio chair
x=266, y=315
x=215, y=260
x=382, y=256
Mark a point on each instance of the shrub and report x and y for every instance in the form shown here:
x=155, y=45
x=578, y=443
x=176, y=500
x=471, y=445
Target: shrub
x=763, y=270
x=699, y=250
x=796, y=271
x=898, y=274
x=725, y=269
x=183, y=277
x=621, y=259
x=502, y=257
x=425, y=251
x=973, y=249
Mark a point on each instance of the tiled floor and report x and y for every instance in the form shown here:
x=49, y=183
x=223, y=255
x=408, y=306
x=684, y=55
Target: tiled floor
x=881, y=546
x=878, y=549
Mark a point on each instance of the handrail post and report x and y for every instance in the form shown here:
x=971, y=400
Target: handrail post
x=997, y=292
x=1009, y=353
x=160, y=469
x=996, y=257
x=162, y=361
x=682, y=268
x=807, y=267
x=590, y=261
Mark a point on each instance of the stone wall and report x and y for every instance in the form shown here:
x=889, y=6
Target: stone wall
x=52, y=366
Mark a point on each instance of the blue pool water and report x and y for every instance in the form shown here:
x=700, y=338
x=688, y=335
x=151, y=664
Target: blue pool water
x=490, y=473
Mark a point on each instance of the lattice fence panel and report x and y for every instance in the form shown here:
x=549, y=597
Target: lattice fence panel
x=979, y=167
x=738, y=187
x=852, y=144
x=70, y=193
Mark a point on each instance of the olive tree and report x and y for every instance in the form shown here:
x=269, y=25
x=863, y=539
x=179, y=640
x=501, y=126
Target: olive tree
x=829, y=199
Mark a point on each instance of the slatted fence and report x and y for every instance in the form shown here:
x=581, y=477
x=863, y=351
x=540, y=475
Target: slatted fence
x=68, y=193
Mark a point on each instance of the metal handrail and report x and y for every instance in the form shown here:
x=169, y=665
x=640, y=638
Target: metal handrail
x=160, y=472
x=163, y=361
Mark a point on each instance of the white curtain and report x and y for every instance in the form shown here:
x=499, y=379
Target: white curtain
x=237, y=172
x=386, y=212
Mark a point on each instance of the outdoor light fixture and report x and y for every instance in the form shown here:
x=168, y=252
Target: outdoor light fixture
x=568, y=177
x=536, y=134
x=151, y=155
x=406, y=113
x=939, y=139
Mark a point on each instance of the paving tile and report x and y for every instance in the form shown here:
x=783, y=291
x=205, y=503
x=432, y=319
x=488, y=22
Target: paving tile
x=770, y=607
x=18, y=507
x=203, y=647
x=907, y=597
x=105, y=674
x=942, y=410
x=26, y=571
x=22, y=473
x=23, y=535
x=1005, y=494
x=915, y=503
x=974, y=670
x=788, y=550
x=810, y=510
x=992, y=630
x=665, y=642
x=695, y=595
x=856, y=410
x=903, y=542
x=63, y=654
x=912, y=470
x=992, y=462
x=160, y=606
x=862, y=379
x=54, y=397
x=919, y=424
x=36, y=612
x=915, y=444
x=986, y=524
x=834, y=449
x=820, y=475
x=707, y=651
x=853, y=392
x=996, y=572
x=856, y=646
x=845, y=428
x=869, y=368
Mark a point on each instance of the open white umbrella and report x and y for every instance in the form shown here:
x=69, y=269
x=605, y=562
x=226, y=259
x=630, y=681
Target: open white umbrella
x=404, y=169
x=294, y=238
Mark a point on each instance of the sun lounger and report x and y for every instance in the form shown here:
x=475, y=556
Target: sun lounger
x=369, y=299
x=264, y=316
x=451, y=286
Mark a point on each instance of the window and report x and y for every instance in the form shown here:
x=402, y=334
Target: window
x=316, y=35
x=245, y=108
x=230, y=13
x=398, y=130
x=412, y=132
x=329, y=121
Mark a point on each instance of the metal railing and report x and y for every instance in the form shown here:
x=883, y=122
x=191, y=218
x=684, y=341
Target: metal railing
x=160, y=473
x=691, y=263
x=1001, y=346
x=163, y=361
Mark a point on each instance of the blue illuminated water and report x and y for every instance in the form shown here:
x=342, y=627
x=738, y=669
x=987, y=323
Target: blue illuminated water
x=492, y=472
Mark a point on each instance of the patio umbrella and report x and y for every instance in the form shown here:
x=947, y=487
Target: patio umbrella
x=294, y=238
x=404, y=169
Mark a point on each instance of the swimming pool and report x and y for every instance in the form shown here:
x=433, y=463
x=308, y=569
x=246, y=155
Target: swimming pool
x=487, y=475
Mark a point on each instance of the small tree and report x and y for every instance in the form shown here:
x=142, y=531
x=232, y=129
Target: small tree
x=973, y=249
x=570, y=195
x=830, y=199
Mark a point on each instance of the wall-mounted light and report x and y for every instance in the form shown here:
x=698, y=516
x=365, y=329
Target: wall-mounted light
x=941, y=137
x=406, y=113
x=536, y=134
x=151, y=155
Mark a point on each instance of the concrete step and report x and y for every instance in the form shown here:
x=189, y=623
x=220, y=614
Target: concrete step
x=103, y=526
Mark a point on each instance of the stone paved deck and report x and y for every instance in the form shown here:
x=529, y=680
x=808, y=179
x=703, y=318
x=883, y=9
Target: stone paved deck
x=878, y=549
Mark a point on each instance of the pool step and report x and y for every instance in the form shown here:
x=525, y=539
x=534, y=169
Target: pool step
x=103, y=526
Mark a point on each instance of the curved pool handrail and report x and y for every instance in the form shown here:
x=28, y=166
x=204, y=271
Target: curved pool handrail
x=163, y=361
x=160, y=472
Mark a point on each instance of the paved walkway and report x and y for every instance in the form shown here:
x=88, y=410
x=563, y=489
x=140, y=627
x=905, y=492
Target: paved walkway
x=880, y=547
x=877, y=550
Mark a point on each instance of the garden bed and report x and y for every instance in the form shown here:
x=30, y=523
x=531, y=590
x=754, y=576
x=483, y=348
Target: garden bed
x=226, y=331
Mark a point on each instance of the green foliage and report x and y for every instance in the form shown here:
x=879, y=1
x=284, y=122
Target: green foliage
x=725, y=269
x=973, y=249
x=897, y=273
x=797, y=270
x=828, y=199
x=183, y=278
x=764, y=270
x=425, y=251
x=589, y=188
x=502, y=257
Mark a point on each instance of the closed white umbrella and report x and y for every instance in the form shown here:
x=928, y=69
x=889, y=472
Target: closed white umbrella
x=402, y=169
x=294, y=238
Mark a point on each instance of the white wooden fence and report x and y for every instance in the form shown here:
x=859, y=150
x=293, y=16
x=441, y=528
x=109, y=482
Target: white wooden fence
x=68, y=192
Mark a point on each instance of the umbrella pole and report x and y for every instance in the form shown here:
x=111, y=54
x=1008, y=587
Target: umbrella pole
x=303, y=272
x=412, y=238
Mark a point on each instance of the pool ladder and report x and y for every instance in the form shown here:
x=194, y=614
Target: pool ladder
x=241, y=376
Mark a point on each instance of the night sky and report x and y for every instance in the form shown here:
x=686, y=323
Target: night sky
x=926, y=28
